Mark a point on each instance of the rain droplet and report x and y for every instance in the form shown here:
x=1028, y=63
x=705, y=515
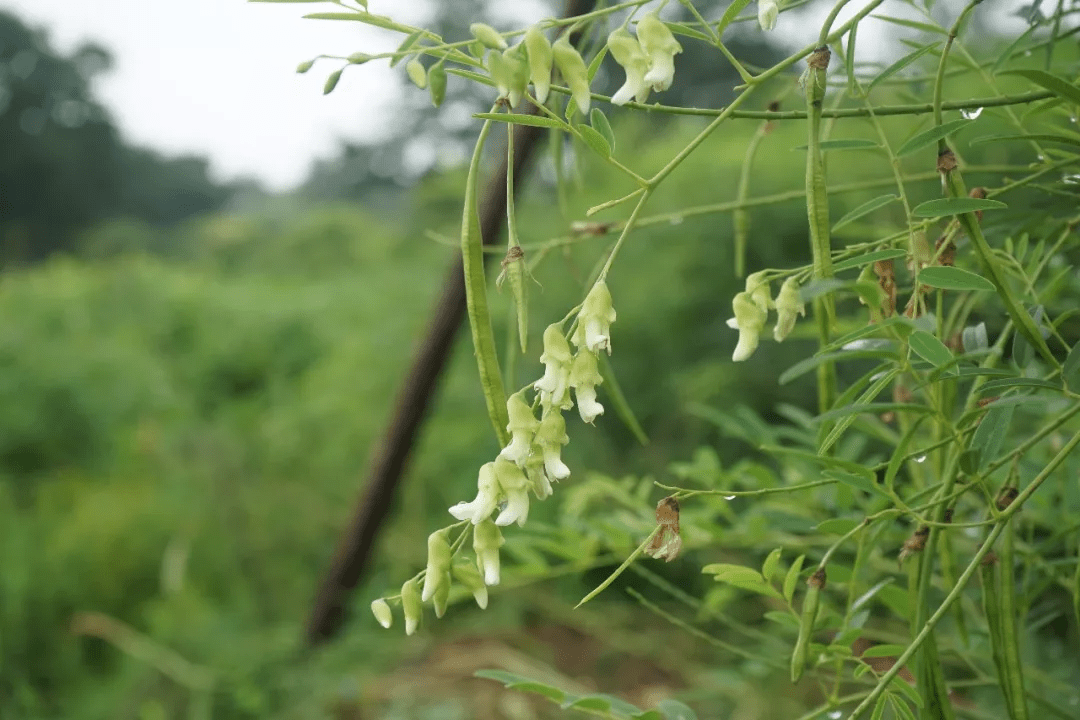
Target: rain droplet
x=729, y=497
x=920, y=459
x=1040, y=158
x=1027, y=53
x=835, y=715
x=676, y=220
x=971, y=114
x=1071, y=179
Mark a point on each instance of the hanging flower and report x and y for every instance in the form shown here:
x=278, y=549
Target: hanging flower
x=522, y=427
x=788, y=306
x=574, y=72
x=627, y=52
x=749, y=320
x=539, y=482
x=487, y=497
x=515, y=488
x=594, y=320
x=381, y=610
x=758, y=287
x=540, y=60
x=661, y=47
x=584, y=377
x=767, y=12
x=487, y=539
x=554, y=387
x=550, y=438
x=411, y=605
x=438, y=564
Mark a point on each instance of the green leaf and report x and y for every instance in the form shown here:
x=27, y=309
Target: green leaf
x=991, y=432
x=857, y=482
x=1054, y=83
x=902, y=687
x=996, y=386
x=878, y=651
x=791, y=579
x=953, y=278
x=1063, y=139
x=865, y=209
x=1070, y=370
x=622, y=407
x=879, y=706
x=730, y=14
x=782, y=618
x=772, y=562
x=596, y=142
x=741, y=577
x=869, y=594
x=519, y=682
x=407, y=43
x=913, y=24
x=600, y=123
x=931, y=136
x=675, y=710
x=524, y=119
x=900, y=65
x=364, y=17
x=1004, y=57
x=842, y=144
x=804, y=366
x=929, y=348
x=836, y=526
x=954, y=206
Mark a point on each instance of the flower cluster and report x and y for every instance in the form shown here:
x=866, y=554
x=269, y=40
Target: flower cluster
x=529, y=463
x=751, y=308
x=648, y=59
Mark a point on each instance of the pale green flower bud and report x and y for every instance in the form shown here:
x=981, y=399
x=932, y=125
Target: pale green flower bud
x=749, y=320
x=594, y=320
x=584, y=377
x=522, y=427
x=304, y=66
x=574, y=72
x=661, y=47
x=758, y=287
x=487, y=539
x=437, y=84
x=515, y=487
x=501, y=71
x=554, y=387
x=628, y=53
x=788, y=306
x=518, y=66
x=438, y=563
x=488, y=35
x=487, y=497
x=767, y=12
x=417, y=73
x=550, y=438
x=469, y=576
x=540, y=61
x=411, y=606
x=381, y=610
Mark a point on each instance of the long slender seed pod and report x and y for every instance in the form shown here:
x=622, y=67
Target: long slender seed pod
x=801, y=654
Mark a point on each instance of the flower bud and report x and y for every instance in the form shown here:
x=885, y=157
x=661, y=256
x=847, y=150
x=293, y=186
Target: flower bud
x=417, y=73
x=788, y=306
x=767, y=12
x=550, y=438
x=661, y=47
x=331, y=82
x=540, y=61
x=515, y=487
x=411, y=606
x=758, y=287
x=381, y=610
x=522, y=427
x=628, y=53
x=304, y=66
x=584, y=377
x=749, y=320
x=487, y=497
x=554, y=387
x=594, y=320
x=518, y=67
x=487, y=539
x=488, y=35
x=438, y=563
x=574, y=72
x=469, y=576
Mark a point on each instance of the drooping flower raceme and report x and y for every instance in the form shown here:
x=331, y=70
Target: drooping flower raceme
x=767, y=12
x=522, y=427
x=584, y=377
x=594, y=320
x=554, y=386
x=749, y=320
x=661, y=47
x=628, y=53
x=788, y=306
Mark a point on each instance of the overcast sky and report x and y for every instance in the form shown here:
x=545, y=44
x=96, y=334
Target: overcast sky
x=217, y=77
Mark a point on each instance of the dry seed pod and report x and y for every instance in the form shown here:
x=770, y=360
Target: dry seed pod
x=946, y=256
x=980, y=194
x=914, y=544
x=886, y=273
x=946, y=161
x=667, y=542
x=948, y=515
x=1005, y=497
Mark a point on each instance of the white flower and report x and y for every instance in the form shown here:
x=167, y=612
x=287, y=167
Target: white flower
x=522, y=427
x=438, y=564
x=661, y=47
x=788, y=306
x=487, y=497
x=554, y=386
x=627, y=52
x=767, y=12
x=749, y=320
x=594, y=320
x=550, y=438
x=584, y=377
x=515, y=487
x=486, y=542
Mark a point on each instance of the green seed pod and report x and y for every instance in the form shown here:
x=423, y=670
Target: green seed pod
x=304, y=66
x=540, y=62
x=331, y=82
x=574, y=72
x=437, y=84
x=381, y=610
x=806, y=625
x=488, y=35
x=417, y=73
x=411, y=606
x=359, y=58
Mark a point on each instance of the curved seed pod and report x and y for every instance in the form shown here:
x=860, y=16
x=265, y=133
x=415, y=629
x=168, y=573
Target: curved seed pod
x=815, y=584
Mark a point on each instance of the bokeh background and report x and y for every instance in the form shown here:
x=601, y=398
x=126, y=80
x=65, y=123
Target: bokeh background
x=211, y=279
